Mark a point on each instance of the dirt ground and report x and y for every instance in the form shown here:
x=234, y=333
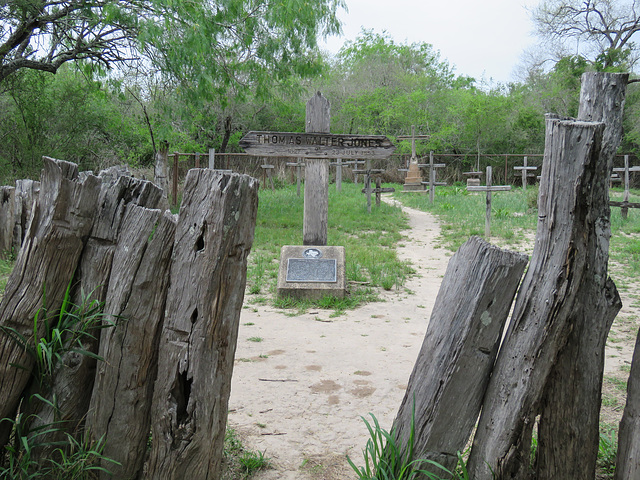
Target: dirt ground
x=301, y=383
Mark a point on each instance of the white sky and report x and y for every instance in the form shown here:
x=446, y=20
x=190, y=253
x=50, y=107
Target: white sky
x=480, y=38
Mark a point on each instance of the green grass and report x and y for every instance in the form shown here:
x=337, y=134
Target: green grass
x=369, y=240
x=241, y=462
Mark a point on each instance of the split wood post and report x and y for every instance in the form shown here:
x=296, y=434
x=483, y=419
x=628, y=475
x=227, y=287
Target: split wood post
x=197, y=161
x=625, y=201
x=74, y=378
x=26, y=196
x=316, y=184
x=212, y=158
x=488, y=189
x=452, y=371
x=567, y=256
x=120, y=408
x=200, y=329
x=7, y=218
x=628, y=458
x=161, y=168
x=524, y=170
x=45, y=266
x=568, y=433
x=298, y=164
x=174, y=183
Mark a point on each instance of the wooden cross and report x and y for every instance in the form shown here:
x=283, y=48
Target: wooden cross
x=378, y=191
x=489, y=188
x=316, y=145
x=368, y=171
x=625, y=201
x=525, y=169
x=339, y=163
x=432, y=177
x=298, y=164
x=266, y=171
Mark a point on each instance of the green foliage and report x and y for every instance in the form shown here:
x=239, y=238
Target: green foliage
x=241, y=462
x=607, y=451
x=385, y=459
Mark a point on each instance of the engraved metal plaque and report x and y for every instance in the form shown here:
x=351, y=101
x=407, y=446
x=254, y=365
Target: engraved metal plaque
x=311, y=270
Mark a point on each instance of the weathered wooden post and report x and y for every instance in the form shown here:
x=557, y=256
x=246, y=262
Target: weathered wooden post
x=338, y=166
x=120, y=407
x=44, y=268
x=432, y=177
x=488, y=189
x=212, y=158
x=628, y=458
x=174, y=190
x=26, y=194
x=451, y=374
x=557, y=295
x=161, y=168
x=198, y=340
x=568, y=435
x=316, y=185
x=524, y=170
x=7, y=218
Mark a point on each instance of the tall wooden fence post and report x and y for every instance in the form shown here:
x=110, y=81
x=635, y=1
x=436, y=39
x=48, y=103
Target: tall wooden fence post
x=44, y=268
x=451, y=374
x=200, y=330
x=174, y=189
x=555, y=296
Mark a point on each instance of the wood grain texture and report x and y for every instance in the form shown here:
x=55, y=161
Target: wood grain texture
x=569, y=426
x=628, y=459
x=62, y=220
x=316, y=202
x=549, y=300
x=27, y=192
x=207, y=281
x=120, y=406
x=452, y=371
x=7, y=218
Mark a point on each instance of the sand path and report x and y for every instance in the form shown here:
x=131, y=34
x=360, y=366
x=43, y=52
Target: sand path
x=299, y=393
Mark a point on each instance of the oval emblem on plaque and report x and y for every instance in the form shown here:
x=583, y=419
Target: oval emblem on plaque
x=312, y=253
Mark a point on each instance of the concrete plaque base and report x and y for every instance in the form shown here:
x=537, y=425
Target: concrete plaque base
x=311, y=272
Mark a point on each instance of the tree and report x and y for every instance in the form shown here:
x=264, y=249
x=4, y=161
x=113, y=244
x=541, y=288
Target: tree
x=45, y=34
x=601, y=29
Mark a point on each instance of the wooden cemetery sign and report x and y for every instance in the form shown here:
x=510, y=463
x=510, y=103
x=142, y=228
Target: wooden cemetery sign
x=316, y=146
x=488, y=189
x=625, y=205
x=525, y=169
x=413, y=180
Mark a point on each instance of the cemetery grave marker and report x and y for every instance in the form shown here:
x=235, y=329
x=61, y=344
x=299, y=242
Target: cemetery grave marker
x=625, y=201
x=413, y=180
x=316, y=146
x=525, y=169
x=488, y=189
x=378, y=191
x=432, y=177
x=267, y=171
x=367, y=172
x=298, y=164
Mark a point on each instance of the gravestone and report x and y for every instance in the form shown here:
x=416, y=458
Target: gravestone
x=413, y=180
x=315, y=146
x=312, y=272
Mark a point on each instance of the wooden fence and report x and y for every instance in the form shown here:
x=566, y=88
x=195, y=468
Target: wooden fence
x=169, y=346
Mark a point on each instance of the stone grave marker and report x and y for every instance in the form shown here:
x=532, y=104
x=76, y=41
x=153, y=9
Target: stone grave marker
x=488, y=189
x=413, y=180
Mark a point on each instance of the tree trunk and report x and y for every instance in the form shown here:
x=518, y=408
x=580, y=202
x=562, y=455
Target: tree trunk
x=453, y=368
x=121, y=400
x=62, y=220
x=569, y=433
x=227, y=135
x=567, y=252
x=628, y=460
x=198, y=341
